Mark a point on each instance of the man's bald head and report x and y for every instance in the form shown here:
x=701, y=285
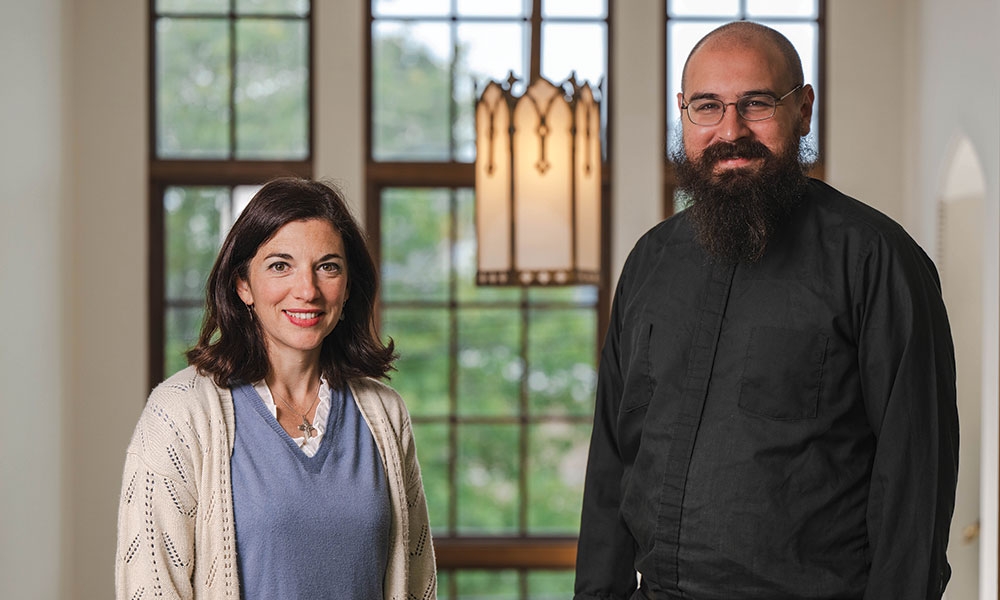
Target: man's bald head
x=747, y=34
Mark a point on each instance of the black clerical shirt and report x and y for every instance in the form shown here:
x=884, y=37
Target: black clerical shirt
x=786, y=429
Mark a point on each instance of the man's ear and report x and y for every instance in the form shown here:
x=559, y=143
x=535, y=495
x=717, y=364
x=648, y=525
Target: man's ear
x=806, y=110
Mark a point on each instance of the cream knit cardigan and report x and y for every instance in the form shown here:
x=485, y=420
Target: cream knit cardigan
x=175, y=517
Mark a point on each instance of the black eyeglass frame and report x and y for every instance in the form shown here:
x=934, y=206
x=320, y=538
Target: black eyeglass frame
x=722, y=115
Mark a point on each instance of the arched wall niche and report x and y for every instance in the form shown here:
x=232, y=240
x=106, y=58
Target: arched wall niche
x=961, y=209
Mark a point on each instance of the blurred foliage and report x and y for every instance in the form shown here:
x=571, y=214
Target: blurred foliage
x=499, y=381
x=411, y=97
x=505, y=585
x=192, y=88
x=199, y=97
x=271, y=96
x=194, y=220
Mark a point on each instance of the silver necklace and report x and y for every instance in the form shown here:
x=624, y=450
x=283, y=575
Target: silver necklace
x=305, y=427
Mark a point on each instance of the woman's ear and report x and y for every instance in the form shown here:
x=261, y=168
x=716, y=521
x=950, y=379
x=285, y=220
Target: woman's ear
x=243, y=290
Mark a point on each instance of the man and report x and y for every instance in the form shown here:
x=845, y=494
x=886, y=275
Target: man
x=776, y=409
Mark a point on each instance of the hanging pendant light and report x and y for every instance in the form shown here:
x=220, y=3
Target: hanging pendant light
x=538, y=181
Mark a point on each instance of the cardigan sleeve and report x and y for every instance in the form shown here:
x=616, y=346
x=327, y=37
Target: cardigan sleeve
x=157, y=511
x=422, y=582
x=411, y=571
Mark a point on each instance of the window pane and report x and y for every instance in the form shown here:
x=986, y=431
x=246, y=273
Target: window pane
x=487, y=585
x=272, y=89
x=703, y=8
x=242, y=194
x=493, y=8
x=487, y=51
x=273, y=7
x=556, y=469
x=573, y=47
x=416, y=227
x=181, y=326
x=808, y=9
x=411, y=91
x=193, y=226
x=561, y=354
x=550, y=585
x=489, y=362
x=410, y=8
x=681, y=200
x=488, y=467
x=422, y=369
x=444, y=584
x=800, y=30
x=465, y=258
x=681, y=37
x=574, y=8
x=217, y=7
x=192, y=83
x=490, y=51
x=582, y=295
x=433, y=451
x=805, y=38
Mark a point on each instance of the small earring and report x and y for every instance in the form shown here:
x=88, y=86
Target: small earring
x=250, y=310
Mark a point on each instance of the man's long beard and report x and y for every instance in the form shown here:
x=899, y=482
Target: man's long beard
x=737, y=212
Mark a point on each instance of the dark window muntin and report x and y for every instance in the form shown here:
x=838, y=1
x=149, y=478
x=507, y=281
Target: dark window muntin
x=819, y=168
x=229, y=172
x=486, y=552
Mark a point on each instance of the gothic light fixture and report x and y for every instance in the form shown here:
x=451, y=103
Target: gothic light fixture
x=538, y=180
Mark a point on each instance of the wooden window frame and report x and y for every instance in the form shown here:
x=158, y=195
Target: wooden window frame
x=499, y=552
x=224, y=172
x=818, y=169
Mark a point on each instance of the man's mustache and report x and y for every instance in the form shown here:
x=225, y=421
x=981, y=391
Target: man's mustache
x=738, y=149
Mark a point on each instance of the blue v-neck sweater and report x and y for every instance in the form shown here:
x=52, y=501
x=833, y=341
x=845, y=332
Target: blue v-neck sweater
x=308, y=527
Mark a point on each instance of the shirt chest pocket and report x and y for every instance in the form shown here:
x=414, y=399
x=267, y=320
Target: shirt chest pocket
x=783, y=373
x=639, y=383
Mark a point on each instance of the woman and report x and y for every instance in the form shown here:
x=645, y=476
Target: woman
x=276, y=466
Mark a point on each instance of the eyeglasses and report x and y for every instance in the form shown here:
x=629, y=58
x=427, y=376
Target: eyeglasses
x=754, y=107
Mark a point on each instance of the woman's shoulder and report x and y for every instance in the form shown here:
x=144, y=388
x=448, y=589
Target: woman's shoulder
x=370, y=385
x=369, y=391
x=186, y=386
x=184, y=415
x=187, y=397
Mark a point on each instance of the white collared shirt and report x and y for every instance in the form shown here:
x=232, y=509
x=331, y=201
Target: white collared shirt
x=309, y=445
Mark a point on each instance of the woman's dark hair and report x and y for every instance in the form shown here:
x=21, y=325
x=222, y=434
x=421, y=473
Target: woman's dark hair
x=231, y=345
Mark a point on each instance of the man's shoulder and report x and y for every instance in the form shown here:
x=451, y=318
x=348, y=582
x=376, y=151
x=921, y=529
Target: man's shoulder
x=840, y=215
x=675, y=230
x=850, y=211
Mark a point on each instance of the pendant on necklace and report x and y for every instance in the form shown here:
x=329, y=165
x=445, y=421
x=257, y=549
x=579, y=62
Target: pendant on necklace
x=307, y=428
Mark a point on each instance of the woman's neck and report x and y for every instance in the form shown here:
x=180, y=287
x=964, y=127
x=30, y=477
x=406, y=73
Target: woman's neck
x=295, y=378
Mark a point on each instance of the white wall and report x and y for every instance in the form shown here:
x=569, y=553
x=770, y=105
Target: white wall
x=956, y=93
x=74, y=223
x=863, y=129
x=863, y=152
x=106, y=291
x=33, y=274
x=339, y=133
x=637, y=146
